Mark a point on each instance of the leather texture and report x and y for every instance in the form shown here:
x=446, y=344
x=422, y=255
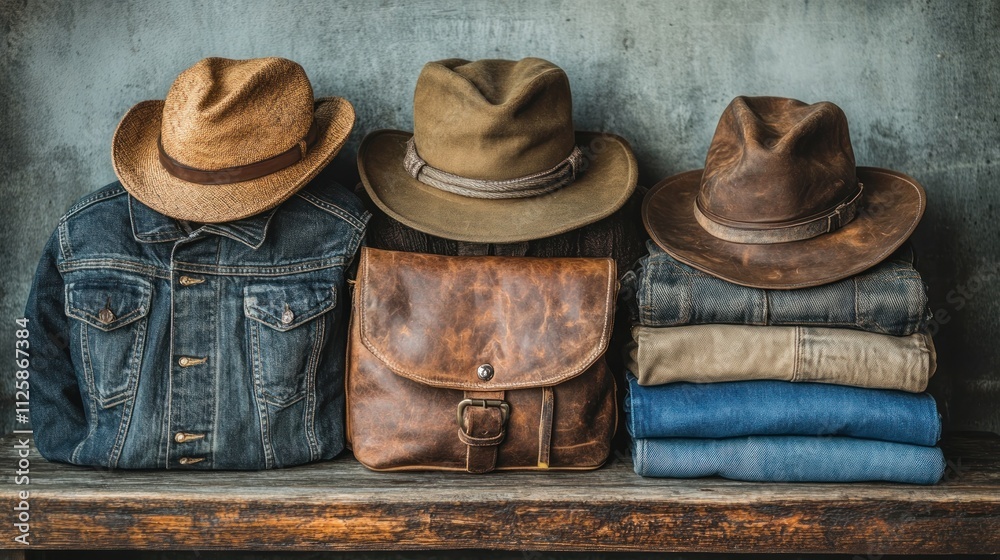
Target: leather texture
x=424, y=324
x=780, y=203
x=777, y=162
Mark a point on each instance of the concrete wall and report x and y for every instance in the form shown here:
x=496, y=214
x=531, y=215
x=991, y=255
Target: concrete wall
x=917, y=79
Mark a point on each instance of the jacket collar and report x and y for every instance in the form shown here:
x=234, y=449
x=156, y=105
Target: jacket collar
x=149, y=226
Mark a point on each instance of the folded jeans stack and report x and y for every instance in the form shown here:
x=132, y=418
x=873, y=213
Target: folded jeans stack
x=815, y=384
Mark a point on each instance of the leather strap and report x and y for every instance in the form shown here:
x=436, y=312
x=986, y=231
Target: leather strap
x=543, y=182
x=484, y=432
x=545, y=427
x=239, y=173
x=745, y=232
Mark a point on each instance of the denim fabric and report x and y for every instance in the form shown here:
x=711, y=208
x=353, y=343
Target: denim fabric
x=162, y=344
x=779, y=408
x=889, y=299
x=789, y=459
x=712, y=353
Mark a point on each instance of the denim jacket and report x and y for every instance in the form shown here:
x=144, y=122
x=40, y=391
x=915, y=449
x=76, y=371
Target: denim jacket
x=889, y=298
x=159, y=345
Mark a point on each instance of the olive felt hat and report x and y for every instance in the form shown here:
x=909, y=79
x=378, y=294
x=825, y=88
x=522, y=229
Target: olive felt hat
x=494, y=157
x=232, y=138
x=780, y=203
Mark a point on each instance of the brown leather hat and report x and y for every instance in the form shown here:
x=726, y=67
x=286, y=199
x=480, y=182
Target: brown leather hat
x=780, y=203
x=233, y=138
x=494, y=158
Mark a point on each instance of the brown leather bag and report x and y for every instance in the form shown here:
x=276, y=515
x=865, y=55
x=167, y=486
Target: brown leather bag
x=480, y=363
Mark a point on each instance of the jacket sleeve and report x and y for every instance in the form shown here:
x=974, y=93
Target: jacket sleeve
x=56, y=407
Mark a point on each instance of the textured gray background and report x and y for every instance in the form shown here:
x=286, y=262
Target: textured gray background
x=917, y=79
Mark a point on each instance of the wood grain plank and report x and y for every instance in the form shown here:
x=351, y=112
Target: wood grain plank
x=339, y=505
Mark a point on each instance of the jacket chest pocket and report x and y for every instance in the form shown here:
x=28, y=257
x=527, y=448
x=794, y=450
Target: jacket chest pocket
x=286, y=328
x=110, y=319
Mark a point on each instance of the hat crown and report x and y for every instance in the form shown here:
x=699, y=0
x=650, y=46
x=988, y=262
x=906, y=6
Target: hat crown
x=223, y=113
x=777, y=161
x=493, y=119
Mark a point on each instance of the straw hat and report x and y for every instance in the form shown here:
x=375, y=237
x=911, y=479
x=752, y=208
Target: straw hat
x=494, y=158
x=780, y=203
x=233, y=138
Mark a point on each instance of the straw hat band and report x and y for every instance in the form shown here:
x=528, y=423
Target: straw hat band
x=535, y=184
x=239, y=173
x=747, y=232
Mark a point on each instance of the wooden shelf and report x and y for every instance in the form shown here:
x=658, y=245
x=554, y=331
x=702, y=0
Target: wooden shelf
x=339, y=505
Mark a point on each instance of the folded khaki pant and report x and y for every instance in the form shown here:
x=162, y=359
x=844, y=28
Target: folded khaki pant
x=711, y=353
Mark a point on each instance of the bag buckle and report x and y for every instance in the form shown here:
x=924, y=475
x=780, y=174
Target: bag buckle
x=504, y=407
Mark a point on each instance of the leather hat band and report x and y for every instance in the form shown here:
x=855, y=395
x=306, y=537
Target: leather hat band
x=744, y=232
x=543, y=182
x=239, y=173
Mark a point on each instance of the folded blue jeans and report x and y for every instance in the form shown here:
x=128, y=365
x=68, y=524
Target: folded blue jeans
x=890, y=298
x=788, y=459
x=778, y=408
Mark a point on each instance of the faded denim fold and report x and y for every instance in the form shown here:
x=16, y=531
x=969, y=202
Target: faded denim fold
x=788, y=459
x=777, y=408
x=890, y=298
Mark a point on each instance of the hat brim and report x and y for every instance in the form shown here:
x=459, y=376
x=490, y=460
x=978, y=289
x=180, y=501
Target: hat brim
x=136, y=161
x=608, y=181
x=893, y=205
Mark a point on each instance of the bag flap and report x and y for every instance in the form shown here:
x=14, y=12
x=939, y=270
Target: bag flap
x=436, y=319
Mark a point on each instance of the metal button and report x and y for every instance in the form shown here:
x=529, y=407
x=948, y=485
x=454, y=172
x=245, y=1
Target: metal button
x=187, y=361
x=181, y=437
x=190, y=280
x=485, y=372
x=287, y=317
x=190, y=460
x=106, y=316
